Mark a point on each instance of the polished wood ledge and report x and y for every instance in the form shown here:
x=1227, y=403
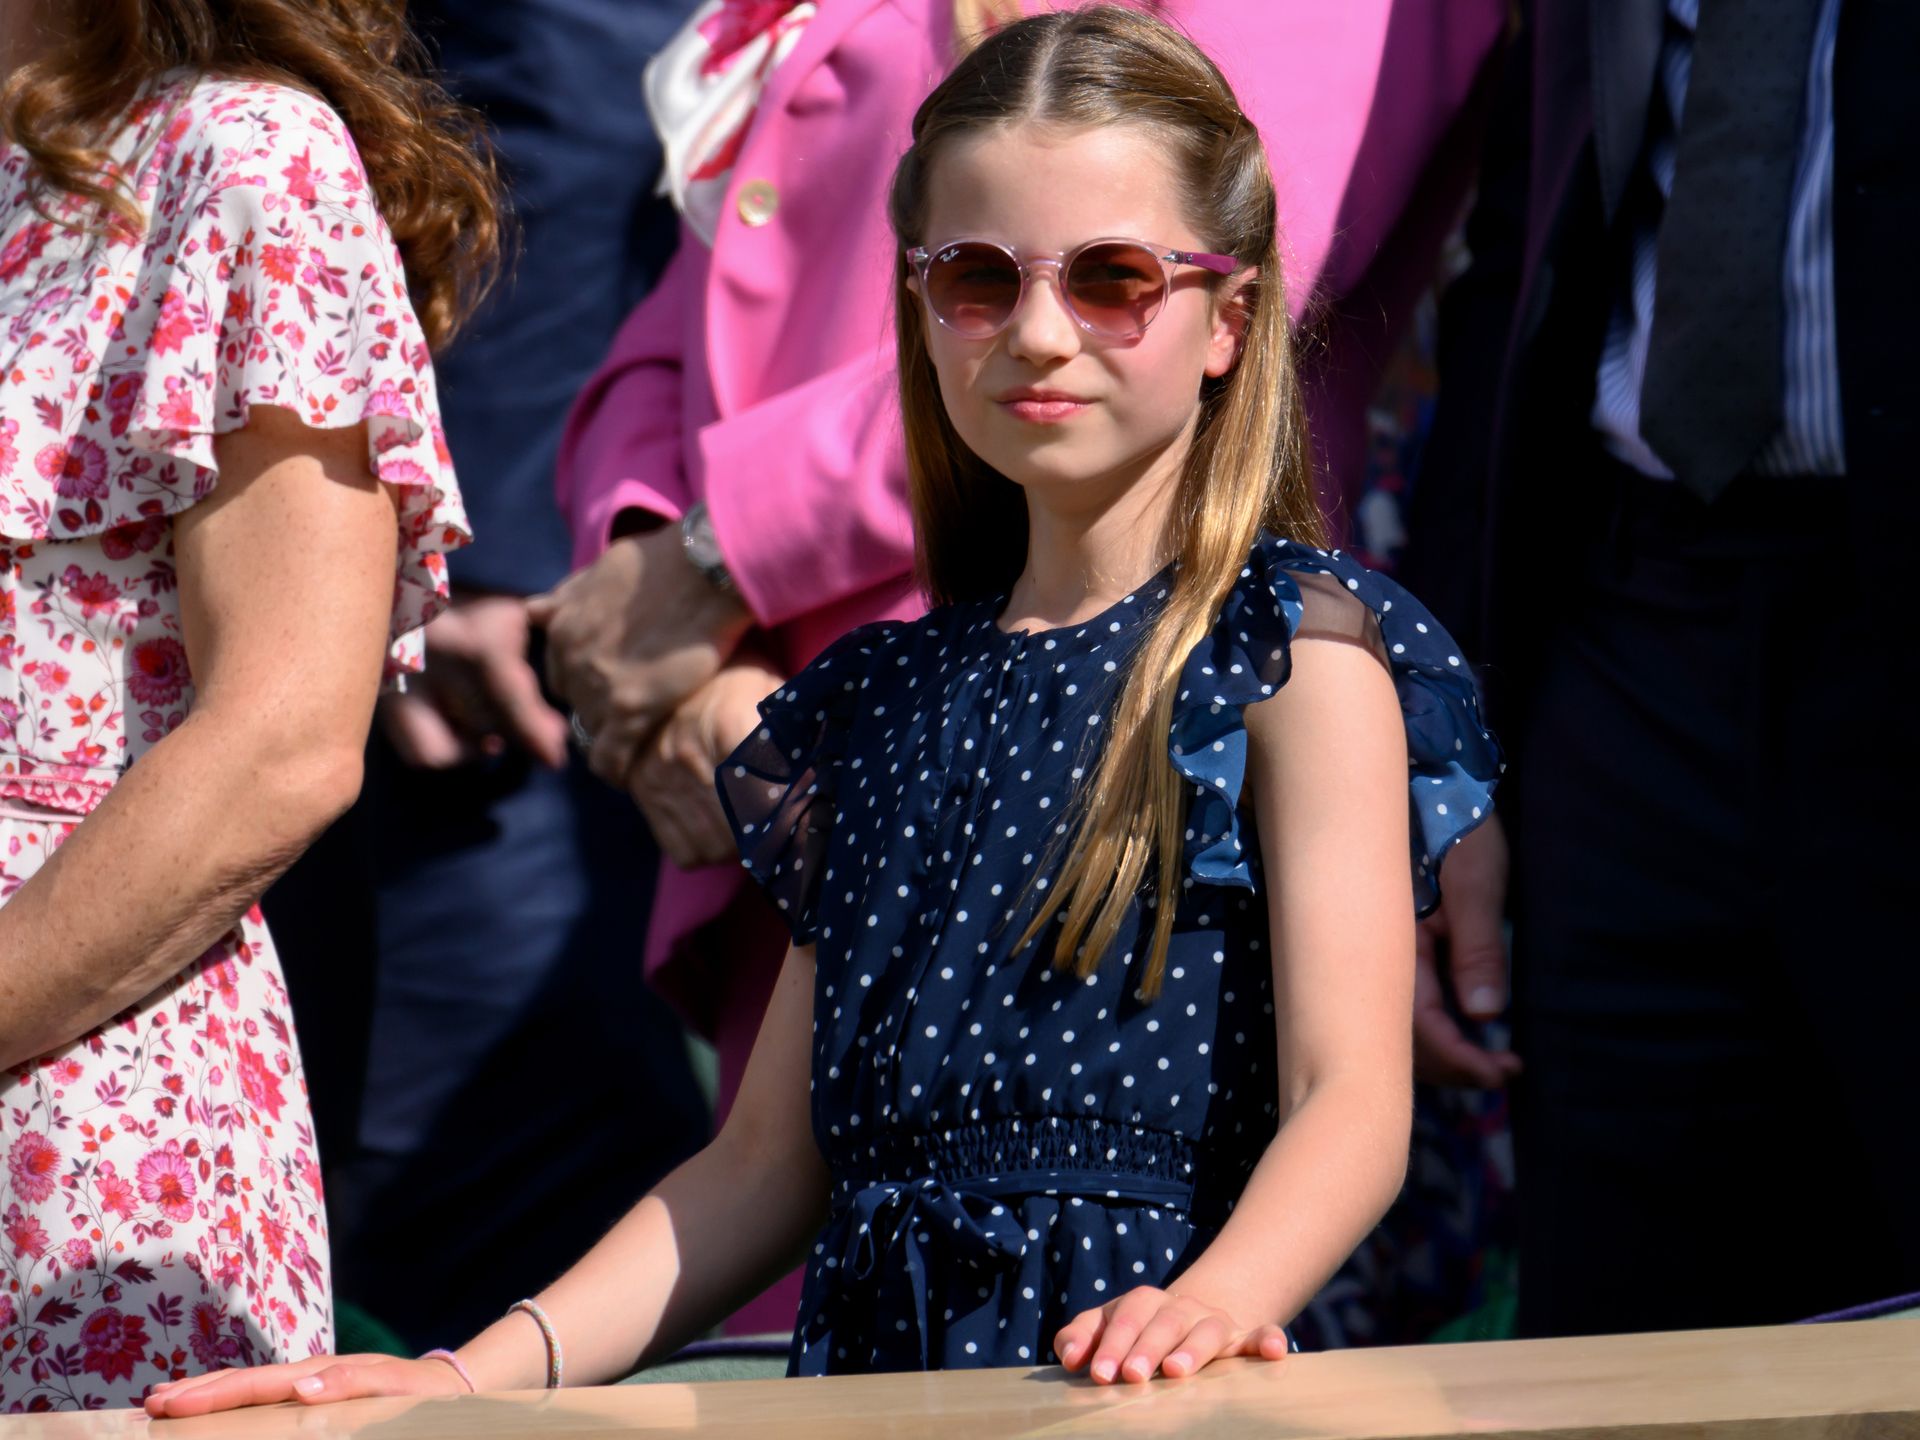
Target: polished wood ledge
x=1790, y=1382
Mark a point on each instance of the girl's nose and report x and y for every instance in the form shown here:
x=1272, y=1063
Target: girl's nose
x=1041, y=329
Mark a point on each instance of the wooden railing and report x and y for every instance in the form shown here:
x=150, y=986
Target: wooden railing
x=1856, y=1381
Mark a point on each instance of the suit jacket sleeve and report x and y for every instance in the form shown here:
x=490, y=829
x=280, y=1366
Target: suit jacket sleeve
x=622, y=445
x=807, y=491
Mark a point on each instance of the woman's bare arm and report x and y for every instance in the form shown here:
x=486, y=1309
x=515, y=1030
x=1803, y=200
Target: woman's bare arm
x=286, y=590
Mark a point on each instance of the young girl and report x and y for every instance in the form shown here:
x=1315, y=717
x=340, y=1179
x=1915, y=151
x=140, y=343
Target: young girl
x=1094, y=1042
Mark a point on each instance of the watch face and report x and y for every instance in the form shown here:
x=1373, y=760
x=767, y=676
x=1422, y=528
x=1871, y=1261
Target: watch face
x=700, y=543
x=702, y=549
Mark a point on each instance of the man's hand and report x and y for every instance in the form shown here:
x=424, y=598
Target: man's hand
x=1468, y=927
x=629, y=638
x=673, y=782
x=478, y=695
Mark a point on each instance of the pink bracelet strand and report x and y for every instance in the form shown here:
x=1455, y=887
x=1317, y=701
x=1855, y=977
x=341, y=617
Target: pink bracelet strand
x=539, y=1317
x=458, y=1369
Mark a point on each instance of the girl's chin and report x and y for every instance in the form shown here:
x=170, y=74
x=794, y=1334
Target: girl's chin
x=1052, y=459
x=1064, y=475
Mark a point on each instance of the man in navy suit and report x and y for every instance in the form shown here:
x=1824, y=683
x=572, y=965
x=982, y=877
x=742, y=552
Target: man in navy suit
x=1669, y=498
x=494, y=1084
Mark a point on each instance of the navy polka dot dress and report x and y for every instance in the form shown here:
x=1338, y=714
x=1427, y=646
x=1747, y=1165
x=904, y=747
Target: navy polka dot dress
x=1011, y=1144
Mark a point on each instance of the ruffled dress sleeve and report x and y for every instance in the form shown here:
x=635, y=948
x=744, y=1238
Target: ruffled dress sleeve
x=778, y=787
x=265, y=276
x=1453, y=760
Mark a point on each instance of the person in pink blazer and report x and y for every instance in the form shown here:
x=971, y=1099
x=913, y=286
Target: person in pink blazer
x=733, y=476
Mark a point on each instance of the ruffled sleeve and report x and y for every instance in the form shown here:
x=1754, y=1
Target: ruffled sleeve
x=265, y=276
x=1453, y=760
x=778, y=786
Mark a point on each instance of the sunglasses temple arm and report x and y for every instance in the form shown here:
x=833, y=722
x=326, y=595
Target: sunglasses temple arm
x=1219, y=264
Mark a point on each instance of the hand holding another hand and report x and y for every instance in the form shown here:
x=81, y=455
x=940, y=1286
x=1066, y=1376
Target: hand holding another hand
x=629, y=638
x=673, y=780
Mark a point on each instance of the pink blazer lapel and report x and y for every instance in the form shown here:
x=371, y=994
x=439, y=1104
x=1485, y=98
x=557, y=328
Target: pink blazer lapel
x=730, y=295
x=827, y=28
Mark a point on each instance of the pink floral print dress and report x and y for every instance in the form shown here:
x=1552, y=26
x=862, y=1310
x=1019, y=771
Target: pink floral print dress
x=160, y=1201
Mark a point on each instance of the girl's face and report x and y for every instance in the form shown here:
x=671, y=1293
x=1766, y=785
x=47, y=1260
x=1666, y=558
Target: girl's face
x=1049, y=405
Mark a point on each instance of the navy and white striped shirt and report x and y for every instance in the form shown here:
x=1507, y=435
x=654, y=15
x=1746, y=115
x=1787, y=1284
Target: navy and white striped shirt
x=1810, y=440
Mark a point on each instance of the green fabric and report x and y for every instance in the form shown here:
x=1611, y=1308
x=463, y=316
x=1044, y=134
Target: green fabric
x=720, y=1367
x=705, y=1061
x=355, y=1332
x=1493, y=1318
x=712, y=1367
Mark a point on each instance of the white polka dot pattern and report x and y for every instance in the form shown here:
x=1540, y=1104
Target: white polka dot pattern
x=1011, y=1143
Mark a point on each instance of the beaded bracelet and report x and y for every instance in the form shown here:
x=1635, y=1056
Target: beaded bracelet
x=547, y=1333
x=458, y=1369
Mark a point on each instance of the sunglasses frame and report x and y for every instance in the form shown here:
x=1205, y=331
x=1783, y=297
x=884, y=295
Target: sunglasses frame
x=921, y=257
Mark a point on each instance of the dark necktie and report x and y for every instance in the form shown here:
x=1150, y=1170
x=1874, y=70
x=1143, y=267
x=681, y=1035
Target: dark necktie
x=1711, y=397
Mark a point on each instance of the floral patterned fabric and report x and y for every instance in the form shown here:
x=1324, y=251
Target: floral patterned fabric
x=160, y=1204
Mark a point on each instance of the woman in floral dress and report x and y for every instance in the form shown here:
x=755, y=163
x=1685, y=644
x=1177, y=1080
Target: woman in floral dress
x=224, y=501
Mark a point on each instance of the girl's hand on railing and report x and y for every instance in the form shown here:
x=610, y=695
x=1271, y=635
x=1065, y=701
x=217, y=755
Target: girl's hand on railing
x=1148, y=1330
x=319, y=1381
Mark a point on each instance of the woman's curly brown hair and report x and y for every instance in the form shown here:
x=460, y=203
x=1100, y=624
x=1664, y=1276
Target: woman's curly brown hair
x=427, y=158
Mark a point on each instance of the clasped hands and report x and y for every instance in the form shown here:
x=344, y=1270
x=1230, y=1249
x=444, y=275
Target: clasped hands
x=646, y=651
x=651, y=657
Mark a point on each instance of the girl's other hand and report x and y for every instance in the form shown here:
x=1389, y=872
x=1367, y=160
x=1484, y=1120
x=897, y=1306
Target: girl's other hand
x=319, y=1381
x=1148, y=1330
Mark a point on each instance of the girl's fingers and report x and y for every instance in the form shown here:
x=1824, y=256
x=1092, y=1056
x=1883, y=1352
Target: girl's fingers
x=1159, y=1335
x=350, y=1382
x=1133, y=1313
x=230, y=1389
x=1209, y=1337
x=1266, y=1342
x=1076, y=1339
x=293, y=1370
x=318, y=1380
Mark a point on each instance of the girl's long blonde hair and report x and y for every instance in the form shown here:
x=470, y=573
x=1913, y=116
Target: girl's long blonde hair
x=1249, y=466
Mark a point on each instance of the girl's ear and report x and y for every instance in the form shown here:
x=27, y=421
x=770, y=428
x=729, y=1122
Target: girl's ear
x=1230, y=316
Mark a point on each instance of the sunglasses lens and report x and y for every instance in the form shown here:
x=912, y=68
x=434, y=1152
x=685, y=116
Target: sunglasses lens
x=1116, y=288
x=973, y=287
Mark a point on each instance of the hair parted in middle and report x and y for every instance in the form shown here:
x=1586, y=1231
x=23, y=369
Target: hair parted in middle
x=1249, y=466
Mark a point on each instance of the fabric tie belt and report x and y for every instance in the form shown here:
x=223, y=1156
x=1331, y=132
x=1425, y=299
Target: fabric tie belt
x=894, y=1229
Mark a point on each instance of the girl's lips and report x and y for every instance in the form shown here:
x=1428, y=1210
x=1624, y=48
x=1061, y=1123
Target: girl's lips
x=1043, y=409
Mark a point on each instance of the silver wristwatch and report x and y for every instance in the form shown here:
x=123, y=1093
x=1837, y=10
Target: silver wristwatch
x=703, y=551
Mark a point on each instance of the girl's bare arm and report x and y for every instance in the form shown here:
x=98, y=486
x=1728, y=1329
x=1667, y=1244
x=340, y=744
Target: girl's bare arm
x=710, y=1236
x=1328, y=778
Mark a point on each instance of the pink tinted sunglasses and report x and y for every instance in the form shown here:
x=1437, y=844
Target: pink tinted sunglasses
x=1111, y=287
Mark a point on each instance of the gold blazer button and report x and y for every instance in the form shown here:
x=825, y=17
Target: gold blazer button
x=757, y=202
